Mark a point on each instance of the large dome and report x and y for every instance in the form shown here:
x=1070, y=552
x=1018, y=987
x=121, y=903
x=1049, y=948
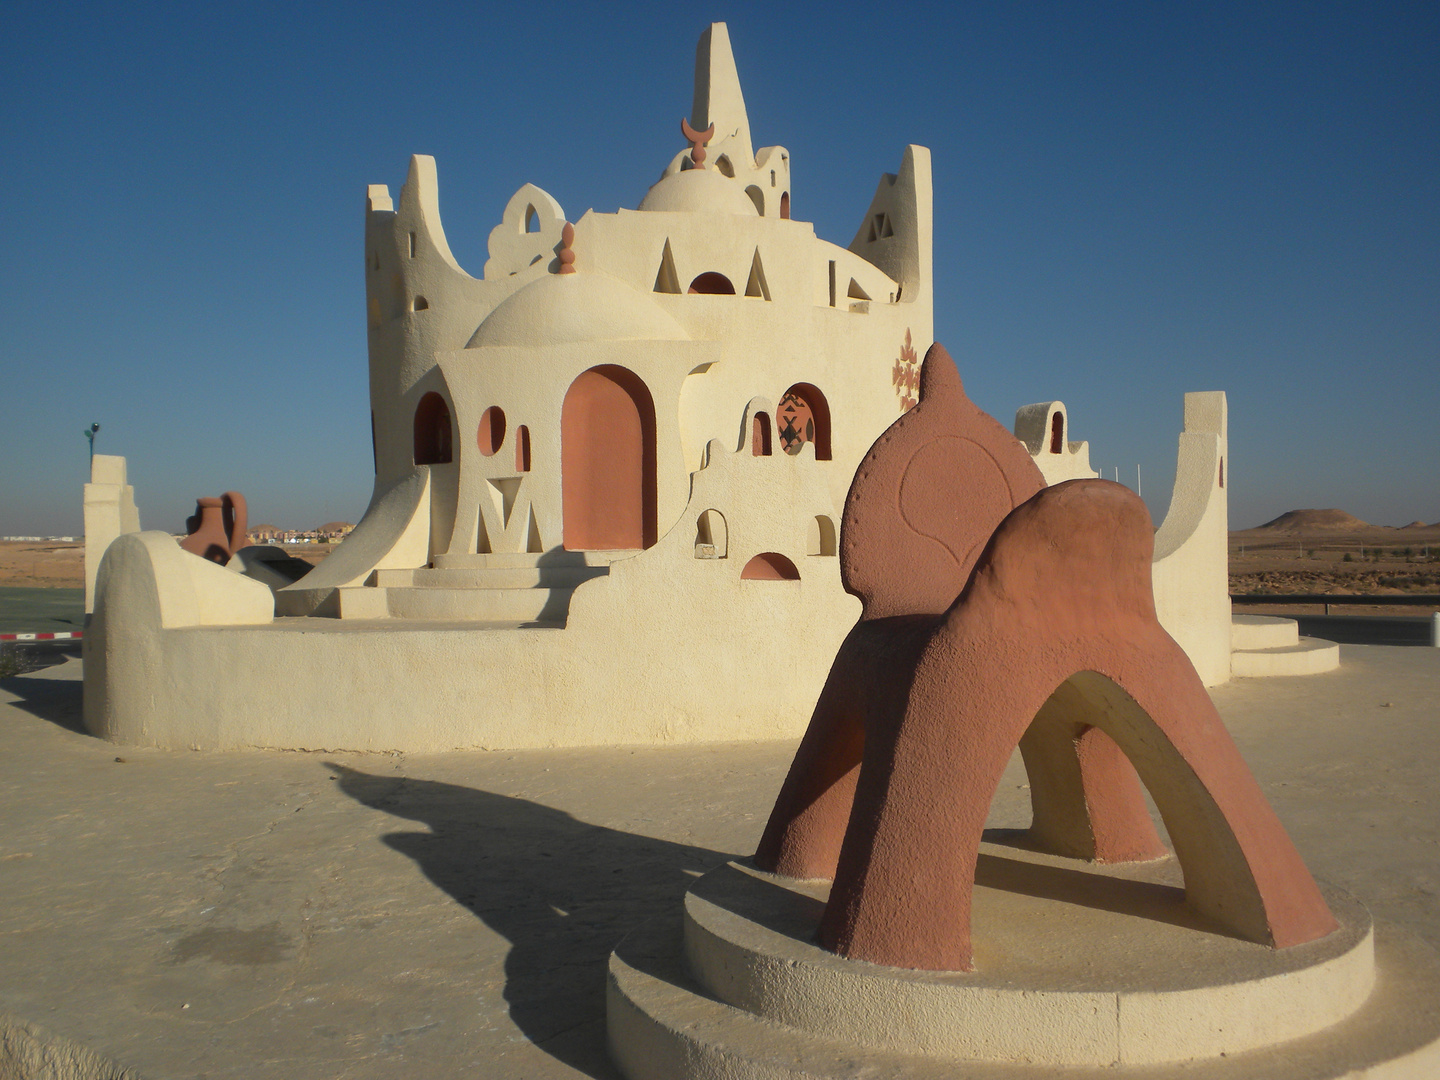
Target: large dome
x=698, y=191
x=562, y=308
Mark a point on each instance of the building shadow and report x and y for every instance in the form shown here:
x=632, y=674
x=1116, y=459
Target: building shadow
x=60, y=701
x=563, y=893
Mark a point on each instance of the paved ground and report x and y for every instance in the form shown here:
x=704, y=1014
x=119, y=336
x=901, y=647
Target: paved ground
x=296, y=916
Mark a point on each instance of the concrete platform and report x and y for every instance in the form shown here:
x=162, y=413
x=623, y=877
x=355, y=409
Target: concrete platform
x=292, y=915
x=1264, y=646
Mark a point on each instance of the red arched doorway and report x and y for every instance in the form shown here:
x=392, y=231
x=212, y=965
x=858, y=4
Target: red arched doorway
x=607, y=461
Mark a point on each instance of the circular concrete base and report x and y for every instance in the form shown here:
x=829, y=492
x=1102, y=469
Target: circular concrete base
x=1079, y=969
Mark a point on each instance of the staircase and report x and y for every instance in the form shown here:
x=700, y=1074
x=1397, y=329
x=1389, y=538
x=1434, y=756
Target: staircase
x=519, y=587
x=1266, y=645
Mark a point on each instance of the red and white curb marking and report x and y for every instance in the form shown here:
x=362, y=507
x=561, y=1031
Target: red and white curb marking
x=61, y=636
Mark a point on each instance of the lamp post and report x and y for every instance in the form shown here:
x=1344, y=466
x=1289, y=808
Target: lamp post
x=90, y=437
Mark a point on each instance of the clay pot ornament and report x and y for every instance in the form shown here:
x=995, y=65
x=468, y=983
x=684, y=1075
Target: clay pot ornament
x=217, y=528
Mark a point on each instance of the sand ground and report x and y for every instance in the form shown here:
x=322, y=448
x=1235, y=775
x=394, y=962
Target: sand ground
x=289, y=916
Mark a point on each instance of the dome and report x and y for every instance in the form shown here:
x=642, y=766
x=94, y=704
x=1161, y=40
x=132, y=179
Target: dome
x=702, y=191
x=562, y=308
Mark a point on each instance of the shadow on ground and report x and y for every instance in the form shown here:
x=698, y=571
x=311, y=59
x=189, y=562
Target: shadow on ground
x=561, y=891
x=57, y=700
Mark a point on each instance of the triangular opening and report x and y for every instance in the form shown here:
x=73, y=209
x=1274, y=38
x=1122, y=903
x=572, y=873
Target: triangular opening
x=756, y=285
x=667, y=280
x=506, y=488
x=482, y=539
x=532, y=534
x=885, y=228
x=855, y=292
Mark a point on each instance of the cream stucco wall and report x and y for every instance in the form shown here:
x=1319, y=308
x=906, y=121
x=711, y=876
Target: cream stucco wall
x=109, y=512
x=1191, y=570
x=185, y=653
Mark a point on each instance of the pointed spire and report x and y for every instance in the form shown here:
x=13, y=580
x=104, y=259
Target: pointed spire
x=718, y=99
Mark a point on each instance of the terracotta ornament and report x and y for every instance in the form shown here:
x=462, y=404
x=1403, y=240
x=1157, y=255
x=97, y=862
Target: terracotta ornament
x=567, y=249
x=697, y=141
x=999, y=612
x=217, y=528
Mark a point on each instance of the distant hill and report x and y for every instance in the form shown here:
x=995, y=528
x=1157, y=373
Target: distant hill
x=1293, y=521
x=333, y=526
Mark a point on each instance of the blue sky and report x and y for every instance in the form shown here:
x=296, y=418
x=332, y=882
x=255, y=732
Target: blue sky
x=1132, y=200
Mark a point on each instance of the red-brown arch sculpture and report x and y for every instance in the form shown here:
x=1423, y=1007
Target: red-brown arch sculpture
x=1000, y=613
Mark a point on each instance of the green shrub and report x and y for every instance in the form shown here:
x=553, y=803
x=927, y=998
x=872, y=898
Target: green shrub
x=15, y=661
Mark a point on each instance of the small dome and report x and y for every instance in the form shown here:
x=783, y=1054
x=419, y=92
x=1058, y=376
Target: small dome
x=702, y=191
x=562, y=308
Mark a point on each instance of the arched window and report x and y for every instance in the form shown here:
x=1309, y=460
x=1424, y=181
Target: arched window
x=1057, y=431
x=804, y=416
x=432, y=431
x=760, y=435
x=491, y=433
x=712, y=284
x=770, y=566
x=785, y=204
x=757, y=197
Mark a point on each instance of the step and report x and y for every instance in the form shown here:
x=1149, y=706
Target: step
x=662, y=1024
x=1309, y=656
x=505, y=577
x=480, y=605
x=1262, y=632
x=554, y=558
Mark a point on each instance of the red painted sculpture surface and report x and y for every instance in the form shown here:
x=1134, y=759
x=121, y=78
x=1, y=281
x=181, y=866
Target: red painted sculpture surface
x=217, y=528
x=1000, y=612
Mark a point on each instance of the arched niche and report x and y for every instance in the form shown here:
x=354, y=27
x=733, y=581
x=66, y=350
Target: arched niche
x=712, y=535
x=757, y=197
x=785, y=205
x=607, y=461
x=433, y=435
x=1057, y=432
x=822, y=536
x=770, y=566
x=802, y=416
x=712, y=283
